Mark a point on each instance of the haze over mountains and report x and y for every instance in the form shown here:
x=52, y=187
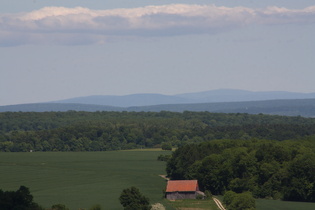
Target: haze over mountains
x=224, y=101
x=213, y=96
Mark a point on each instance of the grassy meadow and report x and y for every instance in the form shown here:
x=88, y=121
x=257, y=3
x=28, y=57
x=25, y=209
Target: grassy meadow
x=82, y=179
x=262, y=204
x=194, y=204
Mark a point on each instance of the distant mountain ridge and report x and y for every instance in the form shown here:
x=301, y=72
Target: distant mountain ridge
x=286, y=107
x=212, y=96
x=127, y=100
x=238, y=101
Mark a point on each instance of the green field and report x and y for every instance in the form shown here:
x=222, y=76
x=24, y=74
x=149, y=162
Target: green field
x=262, y=204
x=194, y=204
x=266, y=204
x=82, y=179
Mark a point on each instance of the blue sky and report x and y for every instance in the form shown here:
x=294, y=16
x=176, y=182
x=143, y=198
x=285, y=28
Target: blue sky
x=58, y=49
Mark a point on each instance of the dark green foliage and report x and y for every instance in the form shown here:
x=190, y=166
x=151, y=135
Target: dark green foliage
x=102, y=131
x=268, y=169
x=132, y=199
x=208, y=195
x=239, y=201
x=18, y=200
x=199, y=197
x=163, y=157
x=300, y=183
x=59, y=207
x=166, y=146
x=228, y=197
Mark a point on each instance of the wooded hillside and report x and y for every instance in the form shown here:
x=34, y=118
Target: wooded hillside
x=268, y=169
x=101, y=131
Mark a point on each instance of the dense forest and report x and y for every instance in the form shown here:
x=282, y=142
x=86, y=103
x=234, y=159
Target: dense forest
x=269, y=156
x=102, y=131
x=266, y=168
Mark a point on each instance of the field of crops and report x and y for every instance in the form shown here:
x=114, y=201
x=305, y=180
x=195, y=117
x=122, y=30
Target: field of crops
x=262, y=204
x=83, y=179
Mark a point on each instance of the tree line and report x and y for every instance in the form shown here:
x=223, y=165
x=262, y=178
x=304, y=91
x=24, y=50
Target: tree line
x=266, y=168
x=102, y=131
x=21, y=199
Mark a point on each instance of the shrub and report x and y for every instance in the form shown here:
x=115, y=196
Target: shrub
x=132, y=199
x=199, y=197
x=59, y=207
x=239, y=201
x=228, y=197
x=166, y=146
x=157, y=206
x=163, y=158
x=208, y=194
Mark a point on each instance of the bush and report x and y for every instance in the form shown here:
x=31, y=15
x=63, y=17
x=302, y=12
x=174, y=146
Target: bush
x=163, y=158
x=239, y=201
x=59, y=207
x=166, y=146
x=132, y=199
x=228, y=197
x=157, y=206
x=199, y=197
x=208, y=195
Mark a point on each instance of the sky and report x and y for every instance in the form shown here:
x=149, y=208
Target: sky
x=59, y=49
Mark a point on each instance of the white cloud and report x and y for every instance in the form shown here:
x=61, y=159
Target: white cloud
x=59, y=25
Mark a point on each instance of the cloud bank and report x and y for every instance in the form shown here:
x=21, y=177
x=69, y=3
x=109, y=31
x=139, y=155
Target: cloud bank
x=73, y=26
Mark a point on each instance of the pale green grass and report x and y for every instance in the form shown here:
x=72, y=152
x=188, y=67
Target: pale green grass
x=148, y=149
x=191, y=204
x=144, y=150
x=82, y=179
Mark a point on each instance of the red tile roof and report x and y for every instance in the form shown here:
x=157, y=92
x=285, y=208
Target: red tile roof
x=182, y=186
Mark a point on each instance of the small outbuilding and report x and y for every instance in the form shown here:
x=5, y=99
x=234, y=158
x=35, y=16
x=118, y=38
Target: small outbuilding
x=182, y=189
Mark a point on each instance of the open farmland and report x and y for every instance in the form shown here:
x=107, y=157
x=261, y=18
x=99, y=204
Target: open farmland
x=264, y=204
x=82, y=179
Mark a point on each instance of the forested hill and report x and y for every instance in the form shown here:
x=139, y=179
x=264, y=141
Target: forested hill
x=268, y=169
x=294, y=107
x=101, y=131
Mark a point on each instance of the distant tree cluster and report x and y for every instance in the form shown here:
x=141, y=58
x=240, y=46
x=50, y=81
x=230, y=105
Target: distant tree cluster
x=132, y=199
x=268, y=169
x=20, y=199
x=102, y=131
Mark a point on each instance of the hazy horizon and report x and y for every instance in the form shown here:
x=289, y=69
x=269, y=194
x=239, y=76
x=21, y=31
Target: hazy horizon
x=226, y=93
x=55, y=50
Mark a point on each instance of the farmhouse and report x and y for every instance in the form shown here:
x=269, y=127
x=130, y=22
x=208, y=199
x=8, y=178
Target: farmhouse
x=182, y=189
